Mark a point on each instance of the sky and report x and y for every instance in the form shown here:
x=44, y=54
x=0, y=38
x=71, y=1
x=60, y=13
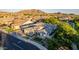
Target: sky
x=75, y=11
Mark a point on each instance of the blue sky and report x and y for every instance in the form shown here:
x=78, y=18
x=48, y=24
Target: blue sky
x=76, y=11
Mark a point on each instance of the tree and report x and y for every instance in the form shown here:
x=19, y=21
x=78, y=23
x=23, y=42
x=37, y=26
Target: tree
x=76, y=25
x=8, y=29
x=65, y=34
x=51, y=20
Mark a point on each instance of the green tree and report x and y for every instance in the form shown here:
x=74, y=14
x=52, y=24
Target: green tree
x=65, y=33
x=8, y=29
x=51, y=20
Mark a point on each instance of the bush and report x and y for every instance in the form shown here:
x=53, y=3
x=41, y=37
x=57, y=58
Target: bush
x=51, y=20
x=64, y=35
x=8, y=29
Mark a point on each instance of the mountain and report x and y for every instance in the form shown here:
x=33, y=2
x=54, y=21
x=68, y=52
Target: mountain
x=31, y=11
x=32, y=14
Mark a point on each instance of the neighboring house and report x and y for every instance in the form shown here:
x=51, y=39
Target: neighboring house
x=50, y=28
x=32, y=27
x=39, y=28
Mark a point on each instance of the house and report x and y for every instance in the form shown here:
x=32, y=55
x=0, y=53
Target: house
x=41, y=29
x=50, y=28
